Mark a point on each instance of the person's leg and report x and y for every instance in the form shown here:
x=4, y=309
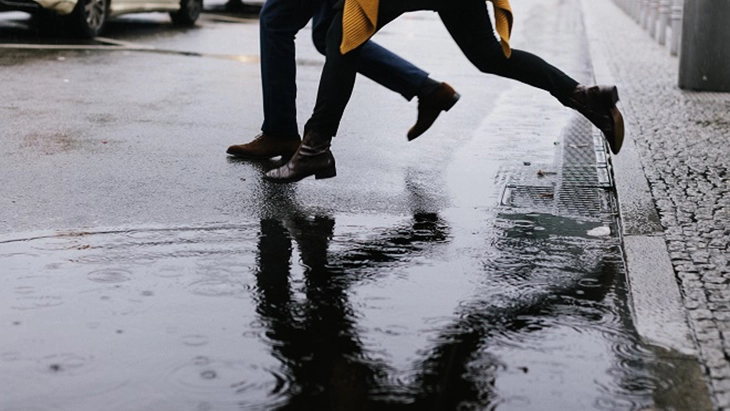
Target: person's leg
x=468, y=23
x=280, y=21
x=338, y=75
x=393, y=72
x=335, y=88
x=313, y=157
x=336, y=82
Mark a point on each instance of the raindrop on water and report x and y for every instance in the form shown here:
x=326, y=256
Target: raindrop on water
x=194, y=340
x=109, y=276
x=208, y=375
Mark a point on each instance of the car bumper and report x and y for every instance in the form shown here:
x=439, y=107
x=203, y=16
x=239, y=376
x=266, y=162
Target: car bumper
x=57, y=6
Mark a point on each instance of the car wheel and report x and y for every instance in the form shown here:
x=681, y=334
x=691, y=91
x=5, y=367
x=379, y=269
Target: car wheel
x=188, y=13
x=88, y=17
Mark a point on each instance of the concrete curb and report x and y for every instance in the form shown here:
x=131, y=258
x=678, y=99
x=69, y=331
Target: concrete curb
x=659, y=313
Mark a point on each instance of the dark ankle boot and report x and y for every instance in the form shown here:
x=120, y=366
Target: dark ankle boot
x=598, y=105
x=430, y=106
x=313, y=157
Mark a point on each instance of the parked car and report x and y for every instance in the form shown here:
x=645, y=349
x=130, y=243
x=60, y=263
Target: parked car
x=86, y=18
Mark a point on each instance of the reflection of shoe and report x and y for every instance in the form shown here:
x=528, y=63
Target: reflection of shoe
x=598, y=104
x=266, y=146
x=430, y=106
x=313, y=157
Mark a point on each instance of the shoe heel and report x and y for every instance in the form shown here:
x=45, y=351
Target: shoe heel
x=609, y=94
x=618, y=137
x=453, y=101
x=327, y=173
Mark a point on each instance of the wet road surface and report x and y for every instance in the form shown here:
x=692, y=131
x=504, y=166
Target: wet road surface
x=144, y=270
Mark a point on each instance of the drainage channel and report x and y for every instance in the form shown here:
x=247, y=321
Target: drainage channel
x=578, y=184
x=579, y=187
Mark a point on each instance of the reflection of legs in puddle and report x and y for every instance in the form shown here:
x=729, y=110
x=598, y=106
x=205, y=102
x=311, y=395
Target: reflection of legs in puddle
x=272, y=277
x=545, y=292
x=312, y=235
x=314, y=337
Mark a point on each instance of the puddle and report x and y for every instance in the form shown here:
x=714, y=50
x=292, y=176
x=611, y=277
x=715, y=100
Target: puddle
x=525, y=311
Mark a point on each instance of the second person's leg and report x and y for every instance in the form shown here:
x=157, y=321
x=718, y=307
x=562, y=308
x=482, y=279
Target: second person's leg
x=393, y=72
x=338, y=75
x=468, y=23
x=335, y=88
x=280, y=21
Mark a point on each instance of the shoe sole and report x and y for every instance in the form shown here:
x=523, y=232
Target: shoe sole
x=618, y=133
x=284, y=157
x=328, y=172
x=611, y=95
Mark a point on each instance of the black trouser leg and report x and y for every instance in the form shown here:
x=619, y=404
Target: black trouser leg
x=335, y=84
x=338, y=74
x=468, y=23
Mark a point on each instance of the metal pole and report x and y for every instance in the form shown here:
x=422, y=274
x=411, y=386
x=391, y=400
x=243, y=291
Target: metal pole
x=676, y=26
x=704, y=62
x=653, y=14
x=643, y=16
x=664, y=6
x=637, y=10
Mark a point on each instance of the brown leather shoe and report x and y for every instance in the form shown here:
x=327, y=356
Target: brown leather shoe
x=598, y=105
x=313, y=157
x=430, y=106
x=265, y=146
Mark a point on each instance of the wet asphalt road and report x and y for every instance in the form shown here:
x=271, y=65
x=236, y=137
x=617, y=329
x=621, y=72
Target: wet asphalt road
x=143, y=269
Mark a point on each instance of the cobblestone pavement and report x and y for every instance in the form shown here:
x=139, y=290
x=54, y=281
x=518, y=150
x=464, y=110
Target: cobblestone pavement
x=682, y=138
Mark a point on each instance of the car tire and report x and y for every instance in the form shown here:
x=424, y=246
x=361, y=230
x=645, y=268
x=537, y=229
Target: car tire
x=88, y=18
x=189, y=12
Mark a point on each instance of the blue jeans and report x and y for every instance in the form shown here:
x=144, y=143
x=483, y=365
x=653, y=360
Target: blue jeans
x=280, y=21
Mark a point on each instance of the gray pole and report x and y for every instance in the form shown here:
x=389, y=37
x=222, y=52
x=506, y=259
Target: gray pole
x=704, y=63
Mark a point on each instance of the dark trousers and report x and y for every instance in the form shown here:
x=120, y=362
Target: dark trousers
x=280, y=21
x=469, y=25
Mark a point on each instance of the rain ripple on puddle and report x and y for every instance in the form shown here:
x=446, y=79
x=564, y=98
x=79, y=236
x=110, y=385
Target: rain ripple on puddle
x=110, y=276
x=223, y=381
x=125, y=299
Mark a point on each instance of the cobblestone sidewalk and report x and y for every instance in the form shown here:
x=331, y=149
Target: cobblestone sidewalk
x=683, y=140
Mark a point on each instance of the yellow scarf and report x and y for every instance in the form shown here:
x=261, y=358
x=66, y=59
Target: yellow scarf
x=360, y=19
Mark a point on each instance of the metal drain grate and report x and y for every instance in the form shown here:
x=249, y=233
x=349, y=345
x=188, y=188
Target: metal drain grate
x=578, y=144
x=532, y=197
x=581, y=201
x=575, y=186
